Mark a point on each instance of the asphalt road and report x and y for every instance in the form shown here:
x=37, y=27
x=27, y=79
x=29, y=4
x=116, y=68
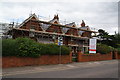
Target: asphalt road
x=98, y=69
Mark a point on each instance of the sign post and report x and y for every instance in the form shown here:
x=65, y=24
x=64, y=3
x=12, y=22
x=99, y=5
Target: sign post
x=60, y=42
x=92, y=45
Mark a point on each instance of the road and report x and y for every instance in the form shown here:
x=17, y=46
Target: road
x=97, y=69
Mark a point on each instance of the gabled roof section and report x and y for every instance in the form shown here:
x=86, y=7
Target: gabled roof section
x=55, y=19
x=45, y=26
x=84, y=28
x=32, y=16
x=71, y=24
x=64, y=29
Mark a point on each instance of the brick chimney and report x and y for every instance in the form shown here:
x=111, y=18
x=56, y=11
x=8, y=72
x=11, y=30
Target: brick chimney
x=56, y=17
x=83, y=23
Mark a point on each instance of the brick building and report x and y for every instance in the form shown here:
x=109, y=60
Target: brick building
x=48, y=32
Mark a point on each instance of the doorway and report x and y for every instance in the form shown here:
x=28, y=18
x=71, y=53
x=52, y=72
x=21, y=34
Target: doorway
x=74, y=53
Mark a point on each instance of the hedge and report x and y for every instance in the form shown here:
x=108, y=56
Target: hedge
x=103, y=49
x=118, y=50
x=9, y=47
x=26, y=47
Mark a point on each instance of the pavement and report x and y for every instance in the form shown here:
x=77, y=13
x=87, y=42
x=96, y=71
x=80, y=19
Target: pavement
x=105, y=69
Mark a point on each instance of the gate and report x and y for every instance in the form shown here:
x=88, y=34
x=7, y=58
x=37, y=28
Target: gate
x=74, y=54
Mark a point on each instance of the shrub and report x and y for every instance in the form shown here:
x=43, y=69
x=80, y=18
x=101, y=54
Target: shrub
x=87, y=52
x=26, y=47
x=9, y=47
x=0, y=47
x=43, y=48
x=103, y=49
x=53, y=49
x=118, y=49
x=65, y=50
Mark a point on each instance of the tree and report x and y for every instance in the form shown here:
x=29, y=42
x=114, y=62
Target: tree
x=110, y=40
x=104, y=37
x=102, y=34
x=116, y=40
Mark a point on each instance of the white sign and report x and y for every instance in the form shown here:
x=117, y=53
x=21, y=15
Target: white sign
x=92, y=46
x=60, y=41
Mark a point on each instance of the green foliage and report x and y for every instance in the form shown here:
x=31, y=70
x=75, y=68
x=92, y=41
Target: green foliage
x=110, y=40
x=53, y=49
x=116, y=40
x=9, y=47
x=118, y=49
x=74, y=59
x=86, y=52
x=104, y=49
x=26, y=47
x=103, y=34
x=0, y=47
x=65, y=50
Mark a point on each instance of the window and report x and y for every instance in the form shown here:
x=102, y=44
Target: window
x=32, y=28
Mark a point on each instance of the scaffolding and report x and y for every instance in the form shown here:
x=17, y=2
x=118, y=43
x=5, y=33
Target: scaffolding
x=46, y=37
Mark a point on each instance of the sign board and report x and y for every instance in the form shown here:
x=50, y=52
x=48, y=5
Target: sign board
x=60, y=41
x=92, y=46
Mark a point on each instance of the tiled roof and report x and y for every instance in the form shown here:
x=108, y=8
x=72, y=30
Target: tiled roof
x=71, y=24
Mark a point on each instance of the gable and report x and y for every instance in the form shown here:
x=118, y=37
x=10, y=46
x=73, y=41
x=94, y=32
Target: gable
x=72, y=32
x=86, y=34
x=55, y=29
x=33, y=18
x=28, y=24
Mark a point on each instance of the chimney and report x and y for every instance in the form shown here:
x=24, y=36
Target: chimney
x=83, y=23
x=56, y=17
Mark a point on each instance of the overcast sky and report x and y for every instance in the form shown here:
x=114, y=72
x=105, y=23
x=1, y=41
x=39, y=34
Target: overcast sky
x=96, y=14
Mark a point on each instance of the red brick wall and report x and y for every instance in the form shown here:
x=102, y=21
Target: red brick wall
x=93, y=57
x=117, y=55
x=27, y=61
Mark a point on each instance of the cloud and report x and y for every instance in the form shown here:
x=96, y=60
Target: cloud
x=59, y=1
x=96, y=14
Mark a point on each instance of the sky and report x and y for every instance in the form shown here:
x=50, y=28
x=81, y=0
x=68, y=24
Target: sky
x=97, y=14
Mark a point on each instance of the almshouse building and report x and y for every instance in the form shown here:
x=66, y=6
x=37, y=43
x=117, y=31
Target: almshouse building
x=46, y=32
